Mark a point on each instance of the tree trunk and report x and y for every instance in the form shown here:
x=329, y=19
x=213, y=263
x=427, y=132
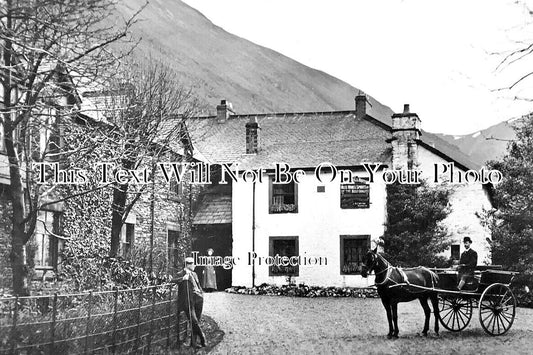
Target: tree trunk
x=18, y=234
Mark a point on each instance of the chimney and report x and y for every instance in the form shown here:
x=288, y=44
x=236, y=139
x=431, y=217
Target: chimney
x=252, y=136
x=360, y=105
x=224, y=110
x=405, y=136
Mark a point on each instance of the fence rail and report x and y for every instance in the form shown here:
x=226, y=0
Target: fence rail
x=141, y=320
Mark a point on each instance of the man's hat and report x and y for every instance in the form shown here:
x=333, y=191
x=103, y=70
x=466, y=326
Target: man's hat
x=189, y=260
x=467, y=239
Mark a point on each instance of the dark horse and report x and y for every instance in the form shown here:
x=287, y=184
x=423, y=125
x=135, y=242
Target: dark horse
x=396, y=285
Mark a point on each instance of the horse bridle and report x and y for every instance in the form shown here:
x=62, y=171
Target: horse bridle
x=387, y=270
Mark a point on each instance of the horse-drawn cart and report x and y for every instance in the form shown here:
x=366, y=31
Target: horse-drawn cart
x=488, y=291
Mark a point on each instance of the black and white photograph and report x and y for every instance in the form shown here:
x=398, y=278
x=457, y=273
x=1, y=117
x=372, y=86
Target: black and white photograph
x=266, y=177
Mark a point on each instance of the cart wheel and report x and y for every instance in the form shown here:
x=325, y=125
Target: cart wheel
x=497, y=307
x=455, y=312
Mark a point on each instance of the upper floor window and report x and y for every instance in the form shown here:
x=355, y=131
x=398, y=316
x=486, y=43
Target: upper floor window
x=283, y=198
x=49, y=137
x=355, y=195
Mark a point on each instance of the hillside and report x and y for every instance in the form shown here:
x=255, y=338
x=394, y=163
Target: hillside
x=220, y=65
x=484, y=145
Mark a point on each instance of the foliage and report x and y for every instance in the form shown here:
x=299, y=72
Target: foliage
x=89, y=268
x=49, y=48
x=414, y=233
x=512, y=223
x=303, y=290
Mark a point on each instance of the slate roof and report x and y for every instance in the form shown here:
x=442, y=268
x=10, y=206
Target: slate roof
x=302, y=140
x=214, y=209
x=306, y=139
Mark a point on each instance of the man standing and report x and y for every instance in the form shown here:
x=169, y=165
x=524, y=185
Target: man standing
x=191, y=299
x=467, y=263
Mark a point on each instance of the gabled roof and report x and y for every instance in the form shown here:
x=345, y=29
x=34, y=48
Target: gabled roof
x=306, y=139
x=302, y=139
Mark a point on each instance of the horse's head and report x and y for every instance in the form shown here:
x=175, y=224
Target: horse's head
x=369, y=262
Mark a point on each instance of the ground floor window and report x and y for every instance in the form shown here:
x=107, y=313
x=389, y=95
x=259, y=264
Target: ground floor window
x=353, y=249
x=48, y=240
x=455, y=249
x=283, y=246
x=172, y=248
x=127, y=239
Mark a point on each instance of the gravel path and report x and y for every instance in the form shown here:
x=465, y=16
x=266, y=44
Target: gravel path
x=267, y=325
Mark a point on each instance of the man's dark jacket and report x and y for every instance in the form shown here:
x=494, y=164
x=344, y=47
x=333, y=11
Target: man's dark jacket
x=186, y=290
x=469, y=260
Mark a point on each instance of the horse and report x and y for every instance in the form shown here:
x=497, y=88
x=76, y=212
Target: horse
x=394, y=286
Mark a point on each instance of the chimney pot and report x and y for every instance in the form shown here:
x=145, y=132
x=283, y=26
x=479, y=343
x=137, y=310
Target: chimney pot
x=252, y=136
x=224, y=111
x=406, y=108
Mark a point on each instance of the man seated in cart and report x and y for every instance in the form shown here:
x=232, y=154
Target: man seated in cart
x=467, y=263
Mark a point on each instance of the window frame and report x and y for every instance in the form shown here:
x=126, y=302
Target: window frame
x=172, y=248
x=125, y=245
x=271, y=241
x=49, y=244
x=343, y=238
x=457, y=251
x=271, y=197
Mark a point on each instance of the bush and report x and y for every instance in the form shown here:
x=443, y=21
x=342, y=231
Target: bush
x=414, y=234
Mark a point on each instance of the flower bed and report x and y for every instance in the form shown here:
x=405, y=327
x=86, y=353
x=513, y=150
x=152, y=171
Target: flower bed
x=304, y=291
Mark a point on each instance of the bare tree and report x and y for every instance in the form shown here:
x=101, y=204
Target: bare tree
x=147, y=108
x=48, y=49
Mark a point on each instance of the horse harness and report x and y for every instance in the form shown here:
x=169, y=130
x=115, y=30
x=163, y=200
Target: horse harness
x=405, y=280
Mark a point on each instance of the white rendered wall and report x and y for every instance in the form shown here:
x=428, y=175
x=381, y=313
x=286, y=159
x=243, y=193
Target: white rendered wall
x=318, y=224
x=467, y=201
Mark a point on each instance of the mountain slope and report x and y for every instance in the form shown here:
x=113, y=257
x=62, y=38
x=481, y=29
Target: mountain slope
x=487, y=144
x=220, y=65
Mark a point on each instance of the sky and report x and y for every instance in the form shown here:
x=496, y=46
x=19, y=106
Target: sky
x=441, y=57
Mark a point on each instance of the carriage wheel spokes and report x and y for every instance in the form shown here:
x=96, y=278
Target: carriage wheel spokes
x=455, y=312
x=497, y=307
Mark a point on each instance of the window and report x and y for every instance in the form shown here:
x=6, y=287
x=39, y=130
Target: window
x=173, y=251
x=455, y=251
x=2, y=145
x=353, y=250
x=355, y=195
x=175, y=188
x=283, y=246
x=47, y=238
x=283, y=198
x=128, y=237
x=49, y=138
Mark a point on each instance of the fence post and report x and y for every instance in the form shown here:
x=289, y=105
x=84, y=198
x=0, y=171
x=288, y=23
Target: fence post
x=154, y=289
x=178, y=317
x=113, y=346
x=138, y=339
x=169, y=314
x=88, y=322
x=53, y=325
x=14, y=329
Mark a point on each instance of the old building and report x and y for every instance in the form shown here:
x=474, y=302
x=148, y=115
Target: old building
x=156, y=232
x=329, y=224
